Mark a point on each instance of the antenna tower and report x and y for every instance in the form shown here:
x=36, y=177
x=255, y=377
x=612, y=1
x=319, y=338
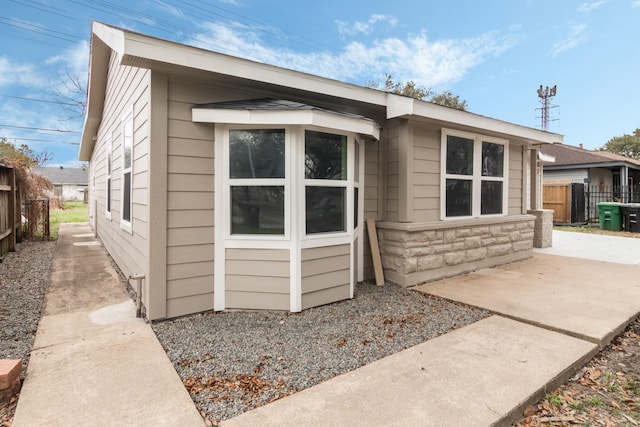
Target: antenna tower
x=546, y=95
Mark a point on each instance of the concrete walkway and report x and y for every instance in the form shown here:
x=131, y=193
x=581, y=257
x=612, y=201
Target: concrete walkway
x=485, y=373
x=93, y=363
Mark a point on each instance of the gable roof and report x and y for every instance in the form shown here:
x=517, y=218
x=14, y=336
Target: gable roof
x=569, y=156
x=143, y=51
x=62, y=176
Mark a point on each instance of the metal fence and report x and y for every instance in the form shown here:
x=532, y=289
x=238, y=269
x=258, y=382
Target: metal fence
x=36, y=224
x=595, y=194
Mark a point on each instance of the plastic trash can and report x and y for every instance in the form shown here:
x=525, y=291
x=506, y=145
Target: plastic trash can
x=630, y=216
x=610, y=216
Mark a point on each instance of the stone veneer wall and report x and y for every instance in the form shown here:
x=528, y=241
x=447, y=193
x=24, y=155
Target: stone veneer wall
x=414, y=253
x=543, y=229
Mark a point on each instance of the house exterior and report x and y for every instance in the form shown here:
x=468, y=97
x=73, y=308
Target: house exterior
x=69, y=184
x=232, y=184
x=600, y=169
x=590, y=177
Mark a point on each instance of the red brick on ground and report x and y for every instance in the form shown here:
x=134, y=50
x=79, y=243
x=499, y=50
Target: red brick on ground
x=9, y=376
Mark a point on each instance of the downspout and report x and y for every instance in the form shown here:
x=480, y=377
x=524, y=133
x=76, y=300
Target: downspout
x=138, y=278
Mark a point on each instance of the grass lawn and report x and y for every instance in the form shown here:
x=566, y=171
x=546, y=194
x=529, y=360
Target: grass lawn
x=70, y=212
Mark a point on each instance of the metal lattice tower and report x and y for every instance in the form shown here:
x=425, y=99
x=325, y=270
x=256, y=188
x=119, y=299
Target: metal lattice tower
x=545, y=96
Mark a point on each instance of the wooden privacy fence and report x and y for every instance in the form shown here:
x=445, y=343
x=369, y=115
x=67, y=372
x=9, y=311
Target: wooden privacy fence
x=557, y=197
x=577, y=203
x=7, y=209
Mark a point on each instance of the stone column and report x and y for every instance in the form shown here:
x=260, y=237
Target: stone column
x=543, y=228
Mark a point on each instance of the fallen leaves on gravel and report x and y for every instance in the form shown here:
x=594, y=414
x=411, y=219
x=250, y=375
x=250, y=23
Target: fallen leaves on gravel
x=220, y=388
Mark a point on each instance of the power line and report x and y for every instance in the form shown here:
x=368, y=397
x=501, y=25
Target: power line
x=40, y=129
x=39, y=30
x=44, y=9
x=39, y=140
x=37, y=100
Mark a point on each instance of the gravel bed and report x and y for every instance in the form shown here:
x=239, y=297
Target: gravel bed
x=232, y=362
x=24, y=275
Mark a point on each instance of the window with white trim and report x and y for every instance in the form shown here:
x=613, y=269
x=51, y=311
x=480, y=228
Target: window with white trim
x=474, y=170
x=107, y=149
x=257, y=159
x=325, y=181
x=127, y=167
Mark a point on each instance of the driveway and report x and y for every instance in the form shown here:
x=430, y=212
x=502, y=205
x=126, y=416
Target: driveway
x=585, y=286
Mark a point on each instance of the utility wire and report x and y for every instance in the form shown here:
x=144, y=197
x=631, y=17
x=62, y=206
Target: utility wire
x=39, y=140
x=37, y=100
x=40, y=129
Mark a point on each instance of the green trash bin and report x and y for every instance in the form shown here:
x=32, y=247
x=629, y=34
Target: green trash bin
x=610, y=216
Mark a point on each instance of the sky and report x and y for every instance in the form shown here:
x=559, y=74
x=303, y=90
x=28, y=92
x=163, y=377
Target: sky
x=494, y=54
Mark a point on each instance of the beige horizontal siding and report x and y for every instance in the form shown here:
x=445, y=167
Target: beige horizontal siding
x=392, y=168
x=325, y=275
x=189, y=304
x=192, y=269
x=515, y=185
x=257, y=278
x=190, y=206
x=325, y=296
x=126, y=88
x=426, y=174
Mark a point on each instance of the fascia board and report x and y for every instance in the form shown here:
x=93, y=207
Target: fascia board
x=286, y=117
x=464, y=118
x=153, y=49
x=401, y=106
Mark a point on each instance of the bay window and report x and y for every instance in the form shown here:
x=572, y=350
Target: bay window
x=257, y=181
x=325, y=179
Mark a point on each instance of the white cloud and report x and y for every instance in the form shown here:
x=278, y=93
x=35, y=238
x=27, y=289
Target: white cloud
x=589, y=6
x=75, y=58
x=171, y=10
x=20, y=74
x=576, y=37
x=365, y=27
x=417, y=58
x=635, y=4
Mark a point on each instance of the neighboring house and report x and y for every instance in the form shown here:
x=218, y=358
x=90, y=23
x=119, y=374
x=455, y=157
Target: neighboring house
x=598, y=168
x=69, y=184
x=232, y=184
x=602, y=177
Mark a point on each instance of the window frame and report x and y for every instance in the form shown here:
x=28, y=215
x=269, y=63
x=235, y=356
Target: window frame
x=328, y=183
x=108, y=182
x=476, y=178
x=127, y=127
x=258, y=182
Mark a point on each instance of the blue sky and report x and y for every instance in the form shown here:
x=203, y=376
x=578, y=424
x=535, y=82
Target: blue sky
x=493, y=53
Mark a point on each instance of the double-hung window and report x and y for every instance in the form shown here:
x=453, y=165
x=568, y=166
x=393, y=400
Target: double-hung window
x=127, y=166
x=257, y=165
x=475, y=175
x=325, y=181
x=107, y=149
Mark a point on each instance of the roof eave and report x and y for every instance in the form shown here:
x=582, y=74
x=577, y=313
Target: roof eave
x=400, y=106
x=103, y=40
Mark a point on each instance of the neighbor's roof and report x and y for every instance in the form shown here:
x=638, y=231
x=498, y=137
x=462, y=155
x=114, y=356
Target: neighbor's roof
x=569, y=156
x=65, y=176
x=143, y=51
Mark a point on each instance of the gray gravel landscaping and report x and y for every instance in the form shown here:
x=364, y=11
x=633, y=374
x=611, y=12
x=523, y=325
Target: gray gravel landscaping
x=232, y=362
x=24, y=275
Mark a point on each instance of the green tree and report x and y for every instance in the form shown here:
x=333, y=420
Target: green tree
x=413, y=90
x=625, y=145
